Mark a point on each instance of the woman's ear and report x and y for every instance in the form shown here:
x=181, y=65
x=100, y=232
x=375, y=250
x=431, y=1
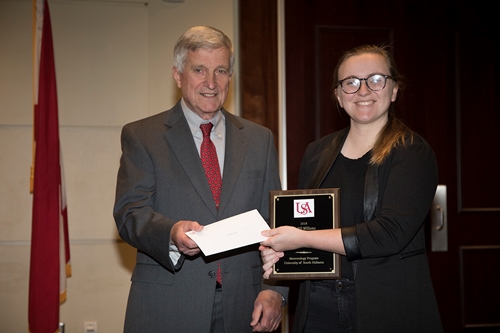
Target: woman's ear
x=338, y=97
x=394, y=93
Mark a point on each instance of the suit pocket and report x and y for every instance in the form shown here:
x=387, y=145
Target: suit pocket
x=152, y=274
x=256, y=275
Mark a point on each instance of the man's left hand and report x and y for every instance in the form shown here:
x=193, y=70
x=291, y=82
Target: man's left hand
x=267, y=312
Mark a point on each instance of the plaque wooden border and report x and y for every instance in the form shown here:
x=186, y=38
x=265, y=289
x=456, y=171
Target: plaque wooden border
x=298, y=264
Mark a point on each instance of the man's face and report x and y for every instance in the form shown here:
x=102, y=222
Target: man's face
x=205, y=80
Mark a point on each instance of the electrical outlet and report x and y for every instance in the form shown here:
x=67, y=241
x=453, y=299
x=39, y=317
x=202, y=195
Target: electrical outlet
x=90, y=327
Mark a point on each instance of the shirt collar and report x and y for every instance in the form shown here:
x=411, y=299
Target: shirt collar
x=194, y=121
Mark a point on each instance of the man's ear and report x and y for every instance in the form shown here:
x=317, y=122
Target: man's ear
x=177, y=76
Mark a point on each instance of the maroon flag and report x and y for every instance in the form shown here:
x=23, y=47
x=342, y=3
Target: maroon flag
x=49, y=265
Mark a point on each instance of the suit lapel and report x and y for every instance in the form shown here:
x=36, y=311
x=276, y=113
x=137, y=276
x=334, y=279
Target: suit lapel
x=236, y=148
x=178, y=136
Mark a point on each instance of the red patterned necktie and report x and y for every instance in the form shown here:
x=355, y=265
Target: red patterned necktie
x=210, y=163
x=212, y=171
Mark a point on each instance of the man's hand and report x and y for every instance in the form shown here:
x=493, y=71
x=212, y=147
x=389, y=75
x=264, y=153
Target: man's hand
x=267, y=312
x=178, y=235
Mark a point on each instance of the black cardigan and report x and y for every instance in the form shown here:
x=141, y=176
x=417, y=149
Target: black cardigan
x=393, y=285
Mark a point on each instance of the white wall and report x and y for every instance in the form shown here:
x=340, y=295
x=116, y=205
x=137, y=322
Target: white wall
x=113, y=65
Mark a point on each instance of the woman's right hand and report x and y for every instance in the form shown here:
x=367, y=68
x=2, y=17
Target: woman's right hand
x=284, y=238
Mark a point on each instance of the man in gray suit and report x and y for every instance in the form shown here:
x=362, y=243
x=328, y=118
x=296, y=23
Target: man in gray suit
x=162, y=192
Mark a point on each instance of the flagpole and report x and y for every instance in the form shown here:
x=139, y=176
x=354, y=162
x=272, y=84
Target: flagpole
x=34, y=94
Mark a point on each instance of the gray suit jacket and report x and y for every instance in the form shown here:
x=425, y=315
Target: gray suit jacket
x=161, y=181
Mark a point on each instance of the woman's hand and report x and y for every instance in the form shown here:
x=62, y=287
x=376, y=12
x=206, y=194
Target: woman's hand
x=269, y=258
x=284, y=238
x=280, y=239
x=290, y=238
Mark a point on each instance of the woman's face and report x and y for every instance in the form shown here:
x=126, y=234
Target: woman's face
x=366, y=106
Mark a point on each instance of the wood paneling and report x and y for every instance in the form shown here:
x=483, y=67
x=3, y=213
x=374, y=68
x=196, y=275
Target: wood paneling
x=480, y=290
x=259, y=63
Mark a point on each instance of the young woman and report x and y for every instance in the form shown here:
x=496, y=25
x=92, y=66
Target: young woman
x=387, y=177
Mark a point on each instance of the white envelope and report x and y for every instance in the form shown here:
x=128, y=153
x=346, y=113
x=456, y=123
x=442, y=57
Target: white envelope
x=231, y=233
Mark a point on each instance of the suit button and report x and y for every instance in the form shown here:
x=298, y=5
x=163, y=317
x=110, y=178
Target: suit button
x=211, y=274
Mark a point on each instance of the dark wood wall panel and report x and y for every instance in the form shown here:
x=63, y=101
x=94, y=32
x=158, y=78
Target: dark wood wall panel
x=259, y=63
x=478, y=121
x=480, y=287
x=317, y=32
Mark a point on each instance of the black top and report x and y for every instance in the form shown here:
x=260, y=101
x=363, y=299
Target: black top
x=349, y=176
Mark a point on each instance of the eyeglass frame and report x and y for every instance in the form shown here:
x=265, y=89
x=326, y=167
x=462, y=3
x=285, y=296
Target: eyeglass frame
x=366, y=82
